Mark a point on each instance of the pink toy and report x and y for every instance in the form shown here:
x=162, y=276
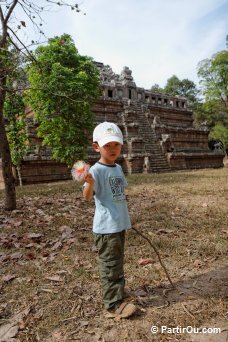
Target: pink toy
x=79, y=170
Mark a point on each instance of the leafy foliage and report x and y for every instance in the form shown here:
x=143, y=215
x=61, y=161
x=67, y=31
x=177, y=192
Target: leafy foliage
x=11, y=22
x=211, y=112
x=185, y=88
x=220, y=133
x=63, y=86
x=157, y=89
x=213, y=74
x=14, y=107
x=16, y=129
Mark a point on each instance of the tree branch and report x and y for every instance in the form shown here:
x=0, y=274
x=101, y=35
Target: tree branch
x=10, y=11
x=29, y=11
x=13, y=91
x=29, y=53
x=15, y=45
x=156, y=251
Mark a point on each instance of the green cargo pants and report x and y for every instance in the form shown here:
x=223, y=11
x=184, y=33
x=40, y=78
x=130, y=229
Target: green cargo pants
x=110, y=259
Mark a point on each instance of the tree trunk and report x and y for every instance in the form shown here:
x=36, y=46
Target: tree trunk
x=19, y=175
x=9, y=181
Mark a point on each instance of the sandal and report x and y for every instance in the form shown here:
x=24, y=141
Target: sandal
x=125, y=310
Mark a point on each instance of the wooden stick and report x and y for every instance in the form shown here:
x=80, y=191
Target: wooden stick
x=156, y=251
x=188, y=312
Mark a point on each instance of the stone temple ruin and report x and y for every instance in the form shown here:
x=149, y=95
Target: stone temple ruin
x=158, y=131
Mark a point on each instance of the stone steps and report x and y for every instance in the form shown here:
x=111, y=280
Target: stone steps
x=158, y=161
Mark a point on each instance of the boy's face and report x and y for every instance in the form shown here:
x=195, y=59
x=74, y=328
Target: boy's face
x=109, y=152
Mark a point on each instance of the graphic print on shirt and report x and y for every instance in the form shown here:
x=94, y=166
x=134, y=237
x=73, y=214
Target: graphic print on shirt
x=117, y=187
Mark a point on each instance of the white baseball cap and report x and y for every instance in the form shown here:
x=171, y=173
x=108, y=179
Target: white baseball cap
x=106, y=132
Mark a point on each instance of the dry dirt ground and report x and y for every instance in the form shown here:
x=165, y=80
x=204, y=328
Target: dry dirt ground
x=49, y=283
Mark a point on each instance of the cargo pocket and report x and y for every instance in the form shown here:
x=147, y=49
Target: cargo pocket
x=114, y=269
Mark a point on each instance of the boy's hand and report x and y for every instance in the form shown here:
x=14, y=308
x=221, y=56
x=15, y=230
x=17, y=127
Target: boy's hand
x=89, y=186
x=89, y=179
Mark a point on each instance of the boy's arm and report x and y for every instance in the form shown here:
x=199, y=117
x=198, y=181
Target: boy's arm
x=89, y=187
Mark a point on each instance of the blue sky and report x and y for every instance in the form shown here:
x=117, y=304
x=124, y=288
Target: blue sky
x=154, y=38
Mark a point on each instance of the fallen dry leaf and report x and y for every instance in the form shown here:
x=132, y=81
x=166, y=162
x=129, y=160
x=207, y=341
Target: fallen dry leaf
x=83, y=323
x=19, y=316
x=66, y=232
x=198, y=263
x=146, y=261
x=16, y=255
x=21, y=325
x=165, y=231
x=57, y=335
x=8, y=331
x=54, y=278
x=34, y=236
x=8, y=278
x=30, y=256
x=140, y=292
x=57, y=245
x=17, y=224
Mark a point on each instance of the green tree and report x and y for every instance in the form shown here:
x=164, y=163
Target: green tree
x=14, y=110
x=16, y=130
x=220, y=133
x=63, y=86
x=157, y=89
x=173, y=86
x=213, y=74
x=211, y=113
x=185, y=88
x=10, y=24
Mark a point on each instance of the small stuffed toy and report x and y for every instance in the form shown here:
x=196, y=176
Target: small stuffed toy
x=79, y=170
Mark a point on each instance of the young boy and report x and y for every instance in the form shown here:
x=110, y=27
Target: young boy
x=106, y=182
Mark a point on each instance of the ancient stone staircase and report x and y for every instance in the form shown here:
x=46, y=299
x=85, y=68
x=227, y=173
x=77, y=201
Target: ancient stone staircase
x=158, y=161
